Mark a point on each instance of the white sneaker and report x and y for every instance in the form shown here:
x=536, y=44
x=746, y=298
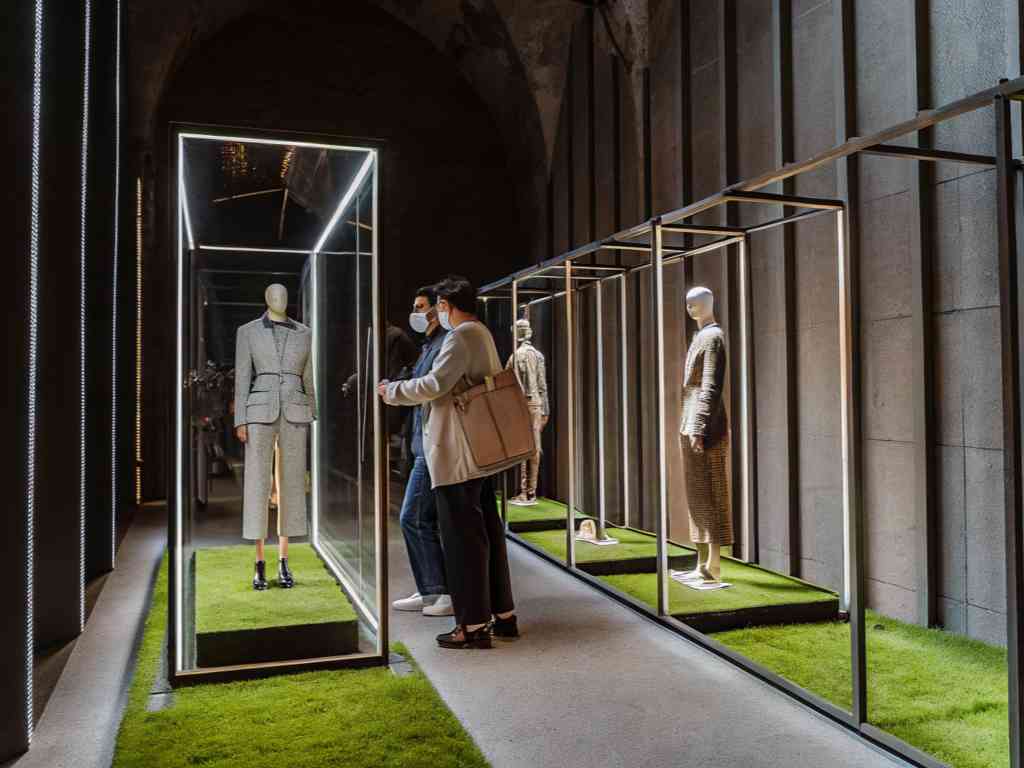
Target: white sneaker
x=413, y=602
x=687, y=575
x=441, y=607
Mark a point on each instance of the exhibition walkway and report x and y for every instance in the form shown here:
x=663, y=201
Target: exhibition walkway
x=591, y=683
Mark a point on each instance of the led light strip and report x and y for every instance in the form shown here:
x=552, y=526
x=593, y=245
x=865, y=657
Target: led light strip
x=138, y=340
x=180, y=490
x=272, y=142
x=33, y=365
x=86, y=74
x=347, y=199
x=114, y=287
x=182, y=196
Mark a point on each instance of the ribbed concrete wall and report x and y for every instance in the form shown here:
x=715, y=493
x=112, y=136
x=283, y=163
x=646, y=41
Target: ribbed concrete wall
x=734, y=134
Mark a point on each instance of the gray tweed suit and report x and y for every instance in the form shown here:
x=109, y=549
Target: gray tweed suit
x=274, y=398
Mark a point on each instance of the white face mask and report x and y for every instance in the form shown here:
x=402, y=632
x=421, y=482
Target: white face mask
x=442, y=318
x=418, y=321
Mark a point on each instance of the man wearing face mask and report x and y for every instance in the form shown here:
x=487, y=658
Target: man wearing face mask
x=419, y=509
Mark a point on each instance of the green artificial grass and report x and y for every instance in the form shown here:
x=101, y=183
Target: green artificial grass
x=632, y=544
x=544, y=509
x=353, y=718
x=751, y=588
x=942, y=693
x=225, y=599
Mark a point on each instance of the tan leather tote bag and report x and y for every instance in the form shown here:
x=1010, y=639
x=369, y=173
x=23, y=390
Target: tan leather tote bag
x=496, y=421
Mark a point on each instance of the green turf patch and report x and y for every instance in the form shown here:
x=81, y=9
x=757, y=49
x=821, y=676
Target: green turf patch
x=544, y=509
x=942, y=693
x=226, y=601
x=632, y=544
x=751, y=588
x=354, y=718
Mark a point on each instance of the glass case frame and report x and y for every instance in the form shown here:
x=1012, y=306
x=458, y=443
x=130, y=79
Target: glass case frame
x=180, y=482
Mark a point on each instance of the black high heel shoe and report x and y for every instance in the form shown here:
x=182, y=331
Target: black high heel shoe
x=478, y=638
x=259, y=579
x=505, y=629
x=284, y=576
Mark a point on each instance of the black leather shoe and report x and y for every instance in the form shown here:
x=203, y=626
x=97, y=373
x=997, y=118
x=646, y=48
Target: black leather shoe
x=505, y=629
x=259, y=579
x=284, y=576
x=460, y=638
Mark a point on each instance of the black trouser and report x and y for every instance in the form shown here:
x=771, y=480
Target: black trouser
x=475, y=558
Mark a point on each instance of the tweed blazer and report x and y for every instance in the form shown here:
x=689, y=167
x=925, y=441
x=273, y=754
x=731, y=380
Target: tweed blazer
x=267, y=383
x=703, y=379
x=468, y=351
x=529, y=366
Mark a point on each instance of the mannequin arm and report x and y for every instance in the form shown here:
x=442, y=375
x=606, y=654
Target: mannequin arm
x=243, y=375
x=449, y=367
x=542, y=385
x=307, y=383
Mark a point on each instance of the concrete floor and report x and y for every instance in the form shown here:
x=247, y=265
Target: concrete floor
x=591, y=683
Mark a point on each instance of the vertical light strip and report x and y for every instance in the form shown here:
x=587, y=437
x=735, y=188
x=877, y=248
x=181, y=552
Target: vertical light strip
x=314, y=322
x=179, y=395
x=138, y=340
x=114, y=288
x=33, y=365
x=86, y=75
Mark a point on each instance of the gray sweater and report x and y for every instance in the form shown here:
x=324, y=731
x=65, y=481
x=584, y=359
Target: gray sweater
x=467, y=351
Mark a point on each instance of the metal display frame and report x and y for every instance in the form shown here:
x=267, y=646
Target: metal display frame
x=182, y=245
x=647, y=237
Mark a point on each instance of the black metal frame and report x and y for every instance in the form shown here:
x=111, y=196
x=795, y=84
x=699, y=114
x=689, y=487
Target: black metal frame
x=252, y=671
x=1009, y=190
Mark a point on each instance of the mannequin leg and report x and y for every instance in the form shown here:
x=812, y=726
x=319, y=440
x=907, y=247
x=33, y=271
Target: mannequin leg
x=259, y=550
x=713, y=563
x=697, y=574
x=282, y=550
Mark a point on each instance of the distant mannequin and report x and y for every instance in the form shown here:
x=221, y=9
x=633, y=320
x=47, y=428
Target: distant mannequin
x=704, y=439
x=528, y=363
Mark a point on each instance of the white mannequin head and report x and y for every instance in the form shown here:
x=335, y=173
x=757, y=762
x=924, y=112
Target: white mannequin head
x=523, y=331
x=700, y=305
x=276, y=297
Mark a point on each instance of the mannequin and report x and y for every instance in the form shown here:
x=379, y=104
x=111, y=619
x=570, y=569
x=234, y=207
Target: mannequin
x=528, y=363
x=704, y=440
x=274, y=405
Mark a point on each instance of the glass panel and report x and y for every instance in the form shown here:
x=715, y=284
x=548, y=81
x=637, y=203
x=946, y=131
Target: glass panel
x=279, y=497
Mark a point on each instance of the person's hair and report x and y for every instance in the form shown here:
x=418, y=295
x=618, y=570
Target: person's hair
x=429, y=291
x=458, y=292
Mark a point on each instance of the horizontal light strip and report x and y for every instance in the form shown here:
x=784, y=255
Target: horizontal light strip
x=252, y=250
x=273, y=142
x=347, y=199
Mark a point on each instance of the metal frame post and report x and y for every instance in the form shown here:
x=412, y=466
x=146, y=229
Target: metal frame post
x=624, y=387
x=598, y=313
x=748, y=448
x=851, y=598
x=1010, y=326
x=661, y=469
x=570, y=411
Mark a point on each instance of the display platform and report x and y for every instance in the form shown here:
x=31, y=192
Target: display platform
x=235, y=624
x=757, y=597
x=635, y=552
x=546, y=515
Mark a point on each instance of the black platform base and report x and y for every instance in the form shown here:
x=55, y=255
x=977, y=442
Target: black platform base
x=531, y=526
x=633, y=564
x=268, y=644
x=797, y=613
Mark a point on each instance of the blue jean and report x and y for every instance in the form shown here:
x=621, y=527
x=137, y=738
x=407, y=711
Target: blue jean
x=422, y=537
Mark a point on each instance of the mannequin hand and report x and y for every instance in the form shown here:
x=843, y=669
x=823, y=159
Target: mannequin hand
x=243, y=433
x=697, y=443
x=382, y=388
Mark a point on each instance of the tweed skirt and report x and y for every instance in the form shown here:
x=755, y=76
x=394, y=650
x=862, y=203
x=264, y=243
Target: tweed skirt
x=707, y=492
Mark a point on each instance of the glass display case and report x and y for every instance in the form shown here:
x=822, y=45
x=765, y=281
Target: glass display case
x=279, y=497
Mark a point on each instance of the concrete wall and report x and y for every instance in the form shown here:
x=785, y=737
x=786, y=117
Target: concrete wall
x=969, y=46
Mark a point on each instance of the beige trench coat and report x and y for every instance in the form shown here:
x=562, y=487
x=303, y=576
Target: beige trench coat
x=467, y=351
